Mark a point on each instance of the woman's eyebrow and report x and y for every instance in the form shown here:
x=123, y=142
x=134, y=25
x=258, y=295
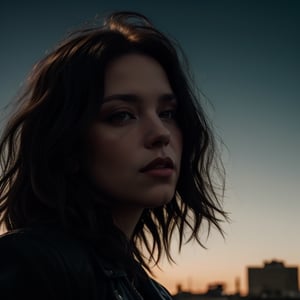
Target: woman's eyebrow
x=168, y=97
x=123, y=97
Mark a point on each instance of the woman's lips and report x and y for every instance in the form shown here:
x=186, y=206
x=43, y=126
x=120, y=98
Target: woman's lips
x=159, y=167
x=164, y=172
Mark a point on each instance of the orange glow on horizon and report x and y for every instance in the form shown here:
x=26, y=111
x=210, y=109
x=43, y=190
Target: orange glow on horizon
x=193, y=285
x=176, y=278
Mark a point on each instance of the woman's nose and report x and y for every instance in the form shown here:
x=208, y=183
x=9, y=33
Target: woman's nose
x=156, y=133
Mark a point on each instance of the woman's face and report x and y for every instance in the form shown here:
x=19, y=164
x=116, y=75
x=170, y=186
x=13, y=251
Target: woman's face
x=136, y=144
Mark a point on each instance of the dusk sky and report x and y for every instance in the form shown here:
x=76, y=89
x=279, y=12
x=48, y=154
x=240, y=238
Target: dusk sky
x=245, y=56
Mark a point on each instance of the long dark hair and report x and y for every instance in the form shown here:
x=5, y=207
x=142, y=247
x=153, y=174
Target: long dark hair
x=43, y=146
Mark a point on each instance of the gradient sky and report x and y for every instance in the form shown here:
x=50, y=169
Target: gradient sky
x=245, y=56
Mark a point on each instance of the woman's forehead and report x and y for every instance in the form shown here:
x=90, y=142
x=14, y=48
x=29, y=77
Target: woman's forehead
x=136, y=75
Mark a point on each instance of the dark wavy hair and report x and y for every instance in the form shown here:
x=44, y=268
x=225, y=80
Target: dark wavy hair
x=43, y=146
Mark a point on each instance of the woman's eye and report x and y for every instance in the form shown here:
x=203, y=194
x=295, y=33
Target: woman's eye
x=120, y=117
x=168, y=114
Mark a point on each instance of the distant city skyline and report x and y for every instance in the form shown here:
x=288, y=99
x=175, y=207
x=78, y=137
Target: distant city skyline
x=245, y=57
x=273, y=277
x=190, y=285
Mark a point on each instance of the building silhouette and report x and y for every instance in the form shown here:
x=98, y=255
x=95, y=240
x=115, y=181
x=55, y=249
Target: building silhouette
x=273, y=280
x=215, y=291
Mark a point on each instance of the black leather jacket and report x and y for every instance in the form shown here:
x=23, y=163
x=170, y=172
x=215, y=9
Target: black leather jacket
x=43, y=263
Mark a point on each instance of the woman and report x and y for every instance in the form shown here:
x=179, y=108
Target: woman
x=107, y=155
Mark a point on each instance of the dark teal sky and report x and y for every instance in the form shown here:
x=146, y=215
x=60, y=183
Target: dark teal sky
x=245, y=56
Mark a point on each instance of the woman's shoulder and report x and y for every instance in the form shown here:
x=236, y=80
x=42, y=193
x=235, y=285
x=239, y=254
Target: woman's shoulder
x=44, y=259
x=38, y=241
x=21, y=242
x=48, y=247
